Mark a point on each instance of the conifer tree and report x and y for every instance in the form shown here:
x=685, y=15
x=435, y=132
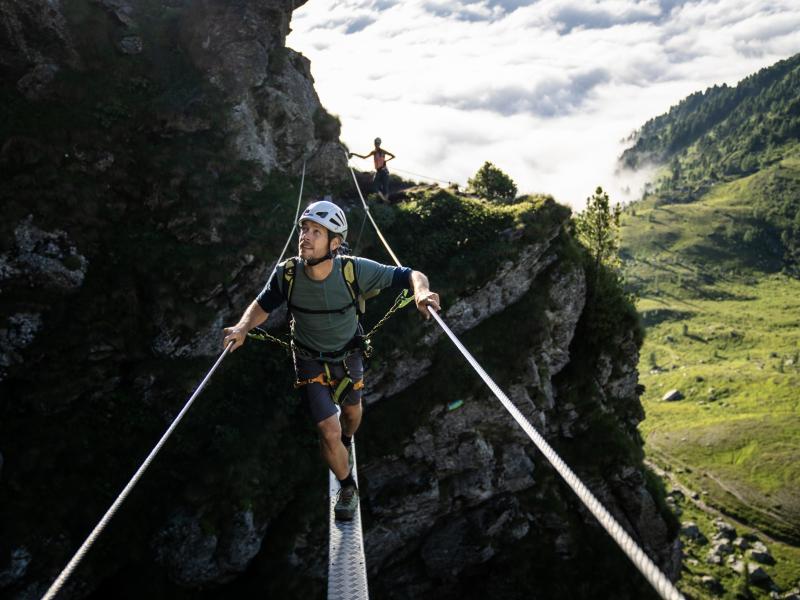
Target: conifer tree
x=598, y=229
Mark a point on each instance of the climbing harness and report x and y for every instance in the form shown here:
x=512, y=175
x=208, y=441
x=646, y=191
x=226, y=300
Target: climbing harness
x=641, y=561
x=356, y=343
x=362, y=342
x=339, y=387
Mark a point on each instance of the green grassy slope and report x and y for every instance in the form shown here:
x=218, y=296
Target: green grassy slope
x=721, y=234
x=723, y=328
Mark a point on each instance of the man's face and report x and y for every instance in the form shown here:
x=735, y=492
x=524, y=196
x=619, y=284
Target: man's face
x=314, y=240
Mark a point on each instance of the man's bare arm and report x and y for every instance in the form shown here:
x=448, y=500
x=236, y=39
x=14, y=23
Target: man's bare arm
x=252, y=317
x=423, y=296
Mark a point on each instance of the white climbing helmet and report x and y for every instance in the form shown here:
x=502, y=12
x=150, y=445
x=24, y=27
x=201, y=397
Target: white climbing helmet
x=327, y=214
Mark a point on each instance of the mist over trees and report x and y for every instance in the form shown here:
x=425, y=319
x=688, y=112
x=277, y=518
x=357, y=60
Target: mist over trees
x=726, y=133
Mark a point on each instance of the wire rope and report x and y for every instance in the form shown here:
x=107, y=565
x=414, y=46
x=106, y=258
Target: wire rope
x=76, y=559
x=90, y=540
x=641, y=561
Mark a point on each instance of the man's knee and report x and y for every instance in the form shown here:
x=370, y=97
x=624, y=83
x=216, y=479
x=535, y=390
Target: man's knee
x=330, y=430
x=350, y=411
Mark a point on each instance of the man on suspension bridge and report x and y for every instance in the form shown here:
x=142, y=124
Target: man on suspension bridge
x=321, y=289
x=381, y=172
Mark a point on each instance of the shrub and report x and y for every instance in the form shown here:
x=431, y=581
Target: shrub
x=492, y=184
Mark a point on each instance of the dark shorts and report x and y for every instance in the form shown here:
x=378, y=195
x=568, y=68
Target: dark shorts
x=382, y=181
x=318, y=397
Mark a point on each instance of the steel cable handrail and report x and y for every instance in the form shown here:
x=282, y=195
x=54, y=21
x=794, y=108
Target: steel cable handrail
x=366, y=209
x=448, y=182
x=76, y=559
x=647, y=567
x=641, y=561
x=294, y=223
x=67, y=571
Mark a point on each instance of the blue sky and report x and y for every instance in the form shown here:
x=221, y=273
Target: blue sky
x=547, y=90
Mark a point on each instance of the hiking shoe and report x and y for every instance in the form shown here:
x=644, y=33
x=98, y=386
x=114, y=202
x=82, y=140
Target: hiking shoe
x=346, y=503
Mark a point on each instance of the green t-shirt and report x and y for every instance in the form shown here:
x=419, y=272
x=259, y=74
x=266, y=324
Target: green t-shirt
x=331, y=331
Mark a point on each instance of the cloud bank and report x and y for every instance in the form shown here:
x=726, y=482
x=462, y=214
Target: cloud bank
x=544, y=89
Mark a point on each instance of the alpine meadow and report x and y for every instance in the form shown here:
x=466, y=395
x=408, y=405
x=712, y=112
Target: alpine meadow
x=712, y=254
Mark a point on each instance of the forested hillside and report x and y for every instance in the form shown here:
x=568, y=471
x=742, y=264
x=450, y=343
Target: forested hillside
x=727, y=133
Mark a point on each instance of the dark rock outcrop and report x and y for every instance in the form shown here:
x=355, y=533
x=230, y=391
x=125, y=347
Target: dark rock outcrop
x=195, y=557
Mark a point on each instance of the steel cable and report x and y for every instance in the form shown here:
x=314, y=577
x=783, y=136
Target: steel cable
x=76, y=559
x=90, y=540
x=641, y=561
x=294, y=223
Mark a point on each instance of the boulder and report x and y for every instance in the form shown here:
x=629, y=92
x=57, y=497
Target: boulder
x=737, y=565
x=741, y=543
x=711, y=584
x=757, y=574
x=691, y=531
x=761, y=554
x=714, y=559
x=720, y=549
x=724, y=530
x=672, y=396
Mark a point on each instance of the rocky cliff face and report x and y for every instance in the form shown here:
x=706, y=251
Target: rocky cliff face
x=462, y=489
x=131, y=127
x=272, y=114
x=149, y=154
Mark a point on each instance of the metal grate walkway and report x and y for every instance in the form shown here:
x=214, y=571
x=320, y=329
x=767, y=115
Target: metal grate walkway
x=347, y=567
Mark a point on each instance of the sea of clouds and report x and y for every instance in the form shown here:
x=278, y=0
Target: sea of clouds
x=548, y=90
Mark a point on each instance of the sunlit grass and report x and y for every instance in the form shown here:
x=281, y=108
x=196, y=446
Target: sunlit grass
x=723, y=328
x=736, y=363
